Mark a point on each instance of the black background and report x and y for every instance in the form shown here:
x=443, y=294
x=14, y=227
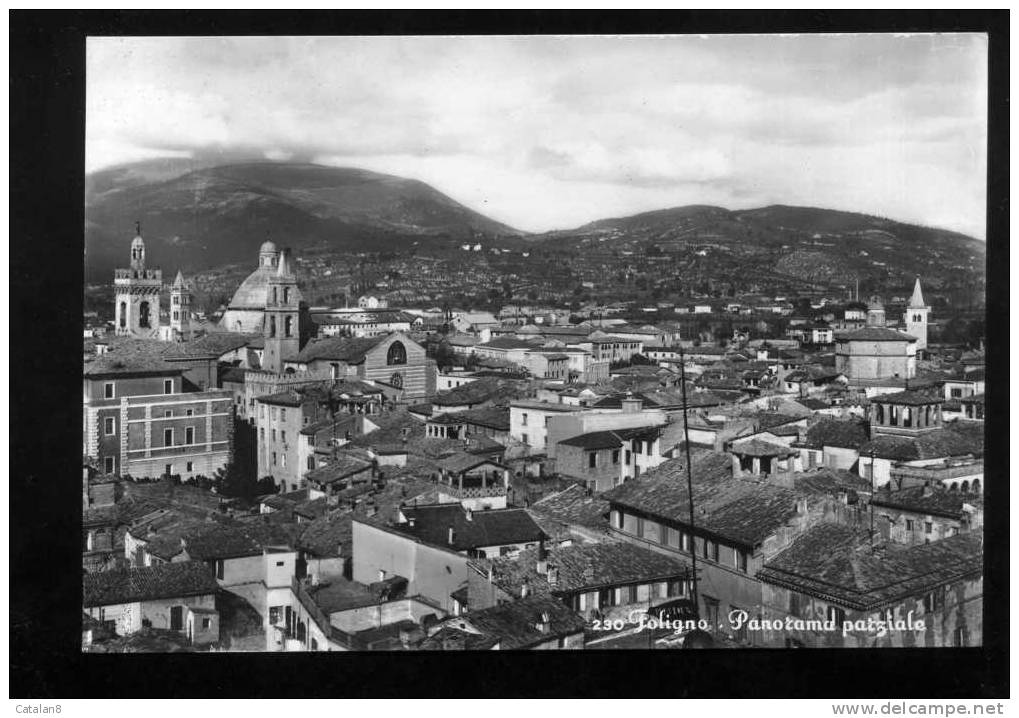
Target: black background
x=47, y=100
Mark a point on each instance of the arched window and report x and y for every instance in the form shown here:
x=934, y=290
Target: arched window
x=965, y=487
x=397, y=354
x=143, y=314
x=976, y=486
x=123, y=314
x=288, y=326
x=272, y=326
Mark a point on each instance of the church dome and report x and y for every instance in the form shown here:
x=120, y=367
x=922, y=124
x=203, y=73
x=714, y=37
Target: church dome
x=253, y=293
x=267, y=246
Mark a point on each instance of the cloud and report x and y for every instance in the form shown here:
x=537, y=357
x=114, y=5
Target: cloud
x=551, y=132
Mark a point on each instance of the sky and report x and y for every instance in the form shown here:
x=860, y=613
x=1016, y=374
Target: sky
x=545, y=132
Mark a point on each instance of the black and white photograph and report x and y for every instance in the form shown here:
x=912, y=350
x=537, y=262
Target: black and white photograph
x=443, y=342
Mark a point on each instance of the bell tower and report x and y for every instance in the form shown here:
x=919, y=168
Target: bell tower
x=137, y=294
x=915, y=318
x=281, y=327
x=180, y=309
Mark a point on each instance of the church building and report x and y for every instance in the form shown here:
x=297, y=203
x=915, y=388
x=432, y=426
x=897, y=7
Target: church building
x=137, y=291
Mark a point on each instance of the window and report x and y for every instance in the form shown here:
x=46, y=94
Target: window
x=280, y=563
x=123, y=314
x=176, y=314
x=219, y=569
x=959, y=637
x=397, y=354
x=274, y=413
x=934, y=600
x=311, y=463
x=108, y=426
x=274, y=458
x=523, y=437
x=283, y=460
x=288, y=326
x=714, y=552
x=189, y=435
x=631, y=594
x=206, y=624
x=592, y=460
x=647, y=448
x=167, y=437
x=275, y=614
x=272, y=327
x=274, y=435
x=143, y=315
x=261, y=433
x=627, y=457
x=637, y=446
x=910, y=526
x=607, y=597
x=640, y=526
x=167, y=413
x=617, y=519
x=615, y=456
x=108, y=390
x=956, y=393
x=189, y=412
x=168, y=386
x=523, y=419
x=283, y=414
x=836, y=614
x=739, y=560
x=191, y=467
x=928, y=527
x=108, y=464
x=168, y=469
x=684, y=541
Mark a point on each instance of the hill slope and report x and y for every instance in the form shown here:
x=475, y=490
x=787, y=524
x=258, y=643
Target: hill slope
x=817, y=245
x=220, y=215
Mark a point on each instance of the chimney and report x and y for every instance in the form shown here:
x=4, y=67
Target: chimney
x=545, y=623
x=452, y=535
x=553, y=576
x=542, y=566
x=525, y=589
x=469, y=513
x=631, y=404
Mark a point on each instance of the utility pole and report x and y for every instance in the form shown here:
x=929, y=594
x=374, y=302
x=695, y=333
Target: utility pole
x=689, y=481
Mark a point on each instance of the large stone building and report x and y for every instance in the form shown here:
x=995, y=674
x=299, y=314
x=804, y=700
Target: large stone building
x=247, y=309
x=915, y=317
x=876, y=352
x=137, y=295
x=394, y=360
x=139, y=421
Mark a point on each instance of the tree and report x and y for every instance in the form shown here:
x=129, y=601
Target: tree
x=239, y=478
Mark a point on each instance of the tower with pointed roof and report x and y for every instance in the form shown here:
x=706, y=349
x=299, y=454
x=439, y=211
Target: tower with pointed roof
x=180, y=309
x=281, y=327
x=137, y=304
x=915, y=318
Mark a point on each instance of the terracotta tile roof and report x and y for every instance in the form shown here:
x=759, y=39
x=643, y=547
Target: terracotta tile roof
x=741, y=511
x=495, y=527
x=346, y=349
x=452, y=638
x=876, y=334
x=514, y=624
x=595, y=440
x=846, y=434
x=908, y=398
x=761, y=448
x=936, y=501
x=583, y=567
x=476, y=392
x=572, y=505
x=340, y=467
x=328, y=536
x=461, y=461
x=132, y=356
x=836, y=563
x=494, y=417
x=169, y=580
x=954, y=440
x=214, y=541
